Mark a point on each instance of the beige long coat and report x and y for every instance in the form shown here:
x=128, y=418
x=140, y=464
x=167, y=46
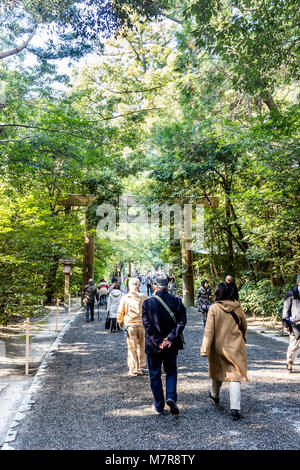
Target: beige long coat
x=223, y=342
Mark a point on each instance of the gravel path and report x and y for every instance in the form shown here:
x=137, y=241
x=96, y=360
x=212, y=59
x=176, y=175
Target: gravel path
x=87, y=401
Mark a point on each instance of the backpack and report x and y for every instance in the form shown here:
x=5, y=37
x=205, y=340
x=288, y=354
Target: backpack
x=89, y=293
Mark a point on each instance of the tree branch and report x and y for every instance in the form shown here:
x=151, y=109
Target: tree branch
x=171, y=18
x=18, y=49
x=127, y=91
x=43, y=129
x=132, y=112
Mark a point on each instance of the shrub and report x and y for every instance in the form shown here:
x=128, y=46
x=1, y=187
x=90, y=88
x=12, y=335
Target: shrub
x=261, y=298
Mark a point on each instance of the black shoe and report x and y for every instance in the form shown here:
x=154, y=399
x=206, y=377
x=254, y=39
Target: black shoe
x=92, y=319
x=174, y=410
x=236, y=415
x=216, y=400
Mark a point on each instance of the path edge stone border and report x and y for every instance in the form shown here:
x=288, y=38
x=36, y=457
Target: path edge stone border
x=27, y=401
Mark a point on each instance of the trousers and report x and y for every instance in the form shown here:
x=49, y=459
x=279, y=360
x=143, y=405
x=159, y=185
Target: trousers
x=136, y=358
x=169, y=361
x=113, y=324
x=88, y=308
x=234, y=390
x=292, y=349
x=149, y=290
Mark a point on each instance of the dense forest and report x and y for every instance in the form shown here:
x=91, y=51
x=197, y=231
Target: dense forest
x=174, y=101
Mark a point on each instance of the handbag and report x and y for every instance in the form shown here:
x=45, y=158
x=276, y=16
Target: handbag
x=172, y=315
x=107, y=322
x=296, y=330
x=238, y=324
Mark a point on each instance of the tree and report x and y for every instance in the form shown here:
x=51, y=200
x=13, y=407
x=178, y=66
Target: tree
x=167, y=113
x=257, y=40
x=72, y=27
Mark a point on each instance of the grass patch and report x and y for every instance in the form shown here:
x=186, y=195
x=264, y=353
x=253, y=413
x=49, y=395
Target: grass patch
x=23, y=337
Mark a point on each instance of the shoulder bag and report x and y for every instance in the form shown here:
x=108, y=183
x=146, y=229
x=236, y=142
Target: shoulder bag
x=172, y=315
x=238, y=324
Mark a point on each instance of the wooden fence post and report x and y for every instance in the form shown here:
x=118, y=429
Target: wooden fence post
x=27, y=323
x=57, y=313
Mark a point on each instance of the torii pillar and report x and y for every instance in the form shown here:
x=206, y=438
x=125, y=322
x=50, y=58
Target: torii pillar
x=187, y=252
x=77, y=200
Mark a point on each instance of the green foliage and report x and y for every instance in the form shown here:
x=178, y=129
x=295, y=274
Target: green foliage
x=257, y=39
x=202, y=106
x=262, y=299
x=72, y=27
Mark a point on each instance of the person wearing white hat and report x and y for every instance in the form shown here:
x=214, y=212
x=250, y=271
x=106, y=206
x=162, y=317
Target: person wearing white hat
x=130, y=316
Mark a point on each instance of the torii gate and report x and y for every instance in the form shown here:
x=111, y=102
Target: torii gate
x=187, y=252
x=77, y=200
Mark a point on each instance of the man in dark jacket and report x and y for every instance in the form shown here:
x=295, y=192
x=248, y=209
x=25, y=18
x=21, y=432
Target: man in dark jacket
x=163, y=340
x=203, y=300
x=235, y=292
x=149, y=286
x=89, y=294
x=291, y=322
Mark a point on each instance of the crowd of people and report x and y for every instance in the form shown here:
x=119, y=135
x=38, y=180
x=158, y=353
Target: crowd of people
x=153, y=325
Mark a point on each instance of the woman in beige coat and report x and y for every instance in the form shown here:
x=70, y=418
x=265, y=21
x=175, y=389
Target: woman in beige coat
x=224, y=343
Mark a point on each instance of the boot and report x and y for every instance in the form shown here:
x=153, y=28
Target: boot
x=236, y=415
x=215, y=399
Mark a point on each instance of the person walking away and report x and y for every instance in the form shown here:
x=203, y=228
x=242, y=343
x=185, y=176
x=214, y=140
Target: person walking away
x=203, y=300
x=103, y=291
x=89, y=294
x=291, y=323
x=172, y=286
x=110, y=288
x=235, y=293
x=149, y=286
x=164, y=319
x=114, y=279
x=127, y=282
x=224, y=343
x=130, y=317
x=113, y=305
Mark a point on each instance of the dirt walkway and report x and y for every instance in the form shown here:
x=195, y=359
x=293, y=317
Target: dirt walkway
x=85, y=400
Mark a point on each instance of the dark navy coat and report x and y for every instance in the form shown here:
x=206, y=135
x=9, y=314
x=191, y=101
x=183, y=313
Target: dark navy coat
x=158, y=323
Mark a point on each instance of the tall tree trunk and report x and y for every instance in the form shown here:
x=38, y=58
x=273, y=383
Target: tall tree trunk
x=187, y=258
x=267, y=98
x=187, y=273
x=88, y=257
x=213, y=266
x=243, y=245
x=230, y=251
x=50, y=279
